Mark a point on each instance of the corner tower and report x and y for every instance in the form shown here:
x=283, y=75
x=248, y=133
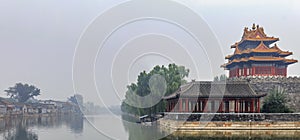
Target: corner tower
x=255, y=55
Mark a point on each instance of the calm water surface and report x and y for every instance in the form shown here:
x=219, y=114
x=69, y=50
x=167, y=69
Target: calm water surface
x=103, y=127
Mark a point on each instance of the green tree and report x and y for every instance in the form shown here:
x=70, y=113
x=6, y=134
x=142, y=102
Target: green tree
x=275, y=102
x=222, y=77
x=73, y=100
x=22, y=92
x=173, y=75
x=216, y=78
x=76, y=99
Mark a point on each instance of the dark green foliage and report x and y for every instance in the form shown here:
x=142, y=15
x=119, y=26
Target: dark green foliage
x=173, y=75
x=22, y=92
x=216, y=78
x=222, y=77
x=77, y=99
x=73, y=99
x=275, y=102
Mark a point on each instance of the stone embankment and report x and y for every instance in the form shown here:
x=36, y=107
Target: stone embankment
x=231, y=121
x=273, y=122
x=236, y=134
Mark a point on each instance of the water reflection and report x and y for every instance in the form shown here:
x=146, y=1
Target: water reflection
x=76, y=128
x=140, y=132
x=20, y=133
x=21, y=128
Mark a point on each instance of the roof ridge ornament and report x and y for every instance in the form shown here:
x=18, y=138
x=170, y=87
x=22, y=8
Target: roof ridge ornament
x=253, y=26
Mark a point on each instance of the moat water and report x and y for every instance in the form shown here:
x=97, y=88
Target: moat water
x=103, y=127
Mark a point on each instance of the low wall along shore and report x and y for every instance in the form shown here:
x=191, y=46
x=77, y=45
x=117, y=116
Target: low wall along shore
x=269, y=117
x=231, y=121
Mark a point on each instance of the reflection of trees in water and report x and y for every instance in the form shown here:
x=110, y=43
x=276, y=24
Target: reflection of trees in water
x=139, y=132
x=75, y=123
x=19, y=128
x=21, y=133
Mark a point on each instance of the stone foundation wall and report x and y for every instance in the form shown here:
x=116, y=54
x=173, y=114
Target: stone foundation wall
x=171, y=125
x=264, y=84
x=236, y=134
x=237, y=117
x=219, y=121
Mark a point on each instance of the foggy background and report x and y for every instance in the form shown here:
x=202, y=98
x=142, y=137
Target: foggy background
x=38, y=38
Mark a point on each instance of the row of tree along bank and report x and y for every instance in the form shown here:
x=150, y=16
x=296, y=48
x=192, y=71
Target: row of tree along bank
x=9, y=108
x=22, y=101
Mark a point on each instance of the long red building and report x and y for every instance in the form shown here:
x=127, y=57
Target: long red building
x=253, y=56
x=212, y=97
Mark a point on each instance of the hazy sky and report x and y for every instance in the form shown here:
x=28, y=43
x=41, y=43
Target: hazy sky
x=38, y=40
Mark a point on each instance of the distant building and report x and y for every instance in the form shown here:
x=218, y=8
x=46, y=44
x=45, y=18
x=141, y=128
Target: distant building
x=10, y=107
x=211, y=97
x=253, y=56
x=20, y=108
x=3, y=108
